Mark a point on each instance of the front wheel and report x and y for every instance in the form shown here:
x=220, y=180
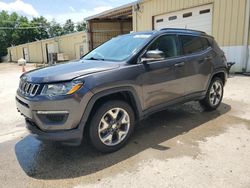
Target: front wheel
x=111, y=126
x=214, y=95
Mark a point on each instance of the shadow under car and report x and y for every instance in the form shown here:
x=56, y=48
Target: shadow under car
x=54, y=161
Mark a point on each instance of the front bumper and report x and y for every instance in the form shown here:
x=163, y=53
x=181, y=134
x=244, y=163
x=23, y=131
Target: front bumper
x=56, y=119
x=72, y=137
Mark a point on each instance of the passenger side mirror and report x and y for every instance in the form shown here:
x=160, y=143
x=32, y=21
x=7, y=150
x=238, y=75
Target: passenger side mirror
x=153, y=55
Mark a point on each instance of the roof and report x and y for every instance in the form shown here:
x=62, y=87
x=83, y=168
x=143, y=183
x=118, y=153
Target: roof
x=183, y=30
x=124, y=11
x=49, y=39
x=172, y=31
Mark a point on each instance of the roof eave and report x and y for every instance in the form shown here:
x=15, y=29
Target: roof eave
x=110, y=11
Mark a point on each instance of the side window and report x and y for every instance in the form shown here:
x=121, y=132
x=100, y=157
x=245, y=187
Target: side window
x=191, y=44
x=205, y=43
x=167, y=44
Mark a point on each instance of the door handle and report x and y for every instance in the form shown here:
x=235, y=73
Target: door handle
x=179, y=64
x=207, y=58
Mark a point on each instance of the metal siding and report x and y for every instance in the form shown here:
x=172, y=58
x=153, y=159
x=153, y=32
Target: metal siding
x=37, y=50
x=249, y=36
x=14, y=55
x=103, y=31
x=228, y=17
x=68, y=44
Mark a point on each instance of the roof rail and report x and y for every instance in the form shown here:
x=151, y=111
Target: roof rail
x=181, y=29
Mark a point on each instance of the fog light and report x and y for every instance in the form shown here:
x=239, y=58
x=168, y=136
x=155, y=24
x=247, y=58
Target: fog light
x=53, y=117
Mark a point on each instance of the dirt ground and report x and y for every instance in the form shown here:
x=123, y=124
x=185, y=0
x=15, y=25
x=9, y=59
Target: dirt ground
x=182, y=146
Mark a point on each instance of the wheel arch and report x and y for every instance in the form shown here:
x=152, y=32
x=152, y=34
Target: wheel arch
x=220, y=74
x=127, y=94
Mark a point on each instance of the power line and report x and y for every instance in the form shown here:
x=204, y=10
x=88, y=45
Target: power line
x=20, y=28
x=18, y=22
x=38, y=23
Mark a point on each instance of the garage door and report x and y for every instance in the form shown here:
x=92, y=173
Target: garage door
x=198, y=18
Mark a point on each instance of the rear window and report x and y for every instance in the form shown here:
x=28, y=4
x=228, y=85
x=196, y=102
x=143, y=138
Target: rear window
x=191, y=44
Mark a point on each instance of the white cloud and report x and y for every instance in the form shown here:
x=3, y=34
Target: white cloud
x=72, y=9
x=77, y=16
x=101, y=9
x=20, y=7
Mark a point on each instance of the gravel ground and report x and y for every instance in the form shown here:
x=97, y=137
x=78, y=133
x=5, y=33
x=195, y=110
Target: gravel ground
x=182, y=146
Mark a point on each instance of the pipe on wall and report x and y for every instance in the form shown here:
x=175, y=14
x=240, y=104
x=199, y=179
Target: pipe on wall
x=246, y=34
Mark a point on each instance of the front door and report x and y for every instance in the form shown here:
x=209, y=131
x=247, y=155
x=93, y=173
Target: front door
x=163, y=81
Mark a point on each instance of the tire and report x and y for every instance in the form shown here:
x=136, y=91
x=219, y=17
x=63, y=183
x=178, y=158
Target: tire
x=111, y=126
x=213, y=98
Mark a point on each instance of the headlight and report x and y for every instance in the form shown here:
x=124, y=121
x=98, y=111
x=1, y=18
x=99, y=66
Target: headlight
x=65, y=88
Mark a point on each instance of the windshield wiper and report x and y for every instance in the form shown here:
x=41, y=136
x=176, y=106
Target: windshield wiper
x=98, y=59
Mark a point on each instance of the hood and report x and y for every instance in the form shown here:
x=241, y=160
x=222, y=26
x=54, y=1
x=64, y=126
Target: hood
x=68, y=71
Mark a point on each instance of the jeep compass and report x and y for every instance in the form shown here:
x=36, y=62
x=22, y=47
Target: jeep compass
x=119, y=83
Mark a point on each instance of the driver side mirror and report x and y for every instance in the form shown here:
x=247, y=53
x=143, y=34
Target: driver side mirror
x=153, y=55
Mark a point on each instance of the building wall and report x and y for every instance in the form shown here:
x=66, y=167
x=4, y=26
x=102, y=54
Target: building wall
x=227, y=28
x=248, y=67
x=35, y=52
x=103, y=31
x=68, y=44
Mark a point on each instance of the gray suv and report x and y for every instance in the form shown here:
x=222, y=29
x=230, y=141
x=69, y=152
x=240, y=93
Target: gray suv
x=119, y=83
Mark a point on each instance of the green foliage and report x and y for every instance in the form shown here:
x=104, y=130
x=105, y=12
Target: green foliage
x=68, y=27
x=55, y=29
x=81, y=26
x=15, y=29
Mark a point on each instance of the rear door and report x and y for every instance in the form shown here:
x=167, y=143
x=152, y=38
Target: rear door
x=163, y=81
x=198, y=66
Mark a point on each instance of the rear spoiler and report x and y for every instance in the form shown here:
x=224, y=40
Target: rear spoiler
x=229, y=66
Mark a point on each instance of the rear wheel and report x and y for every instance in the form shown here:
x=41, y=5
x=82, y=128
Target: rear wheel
x=111, y=126
x=214, y=95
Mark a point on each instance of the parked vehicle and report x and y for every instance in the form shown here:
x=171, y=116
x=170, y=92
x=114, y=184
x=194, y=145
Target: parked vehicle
x=119, y=83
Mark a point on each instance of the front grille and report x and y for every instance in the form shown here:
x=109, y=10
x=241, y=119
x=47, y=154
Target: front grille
x=28, y=88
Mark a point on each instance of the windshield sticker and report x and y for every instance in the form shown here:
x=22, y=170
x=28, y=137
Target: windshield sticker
x=141, y=36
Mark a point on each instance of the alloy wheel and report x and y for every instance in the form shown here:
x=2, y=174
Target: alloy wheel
x=215, y=94
x=114, y=126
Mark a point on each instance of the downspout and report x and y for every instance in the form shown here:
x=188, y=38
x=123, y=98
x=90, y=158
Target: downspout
x=135, y=19
x=90, y=35
x=246, y=34
x=42, y=52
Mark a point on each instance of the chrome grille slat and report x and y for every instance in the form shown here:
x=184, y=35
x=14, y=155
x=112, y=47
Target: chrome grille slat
x=28, y=88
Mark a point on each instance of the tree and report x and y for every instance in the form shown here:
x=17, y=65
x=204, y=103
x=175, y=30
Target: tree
x=55, y=29
x=15, y=29
x=7, y=36
x=42, y=32
x=81, y=26
x=68, y=27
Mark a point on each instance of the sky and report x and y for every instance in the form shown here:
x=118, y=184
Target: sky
x=60, y=10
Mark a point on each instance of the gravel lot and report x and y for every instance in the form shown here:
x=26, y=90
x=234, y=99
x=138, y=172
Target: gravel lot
x=180, y=147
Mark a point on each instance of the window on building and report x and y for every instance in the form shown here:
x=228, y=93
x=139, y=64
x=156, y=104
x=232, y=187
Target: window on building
x=186, y=15
x=191, y=44
x=159, y=20
x=172, y=18
x=167, y=44
x=205, y=11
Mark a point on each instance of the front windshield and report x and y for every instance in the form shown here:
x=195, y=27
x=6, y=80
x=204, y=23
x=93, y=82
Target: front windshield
x=119, y=48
